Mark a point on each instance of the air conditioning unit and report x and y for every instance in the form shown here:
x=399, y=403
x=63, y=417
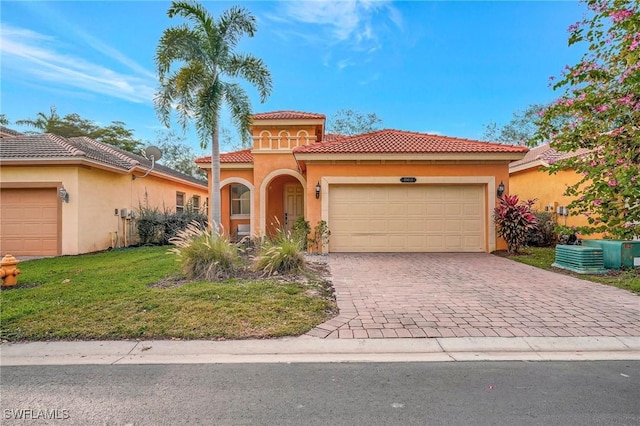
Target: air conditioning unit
x=580, y=259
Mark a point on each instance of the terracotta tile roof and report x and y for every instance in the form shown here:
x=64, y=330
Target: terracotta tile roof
x=9, y=132
x=38, y=146
x=288, y=115
x=242, y=156
x=390, y=141
x=104, y=153
x=48, y=146
x=546, y=155
x=329, y=137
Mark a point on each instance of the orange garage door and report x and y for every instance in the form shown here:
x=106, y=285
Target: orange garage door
x=29, y=222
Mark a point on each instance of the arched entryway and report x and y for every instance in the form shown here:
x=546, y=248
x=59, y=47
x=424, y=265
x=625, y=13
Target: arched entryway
x=282, y=200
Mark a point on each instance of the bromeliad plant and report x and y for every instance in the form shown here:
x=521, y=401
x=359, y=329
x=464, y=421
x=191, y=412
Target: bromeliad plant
x=205, y=255
x=514, y=220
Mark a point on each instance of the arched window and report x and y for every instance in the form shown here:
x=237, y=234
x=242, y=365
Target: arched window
x=240, y=200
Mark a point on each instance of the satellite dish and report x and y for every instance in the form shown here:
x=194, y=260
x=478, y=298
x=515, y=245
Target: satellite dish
x=153, y=153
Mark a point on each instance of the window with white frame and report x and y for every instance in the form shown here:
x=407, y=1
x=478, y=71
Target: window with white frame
x=240, y=200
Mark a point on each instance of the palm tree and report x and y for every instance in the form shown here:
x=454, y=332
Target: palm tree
x=197, y=89
x=43, y=122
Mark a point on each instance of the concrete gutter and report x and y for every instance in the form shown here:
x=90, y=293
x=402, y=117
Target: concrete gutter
x=312, y=350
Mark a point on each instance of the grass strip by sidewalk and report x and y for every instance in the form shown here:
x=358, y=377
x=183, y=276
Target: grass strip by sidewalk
x=108, y=296
x=543, y=257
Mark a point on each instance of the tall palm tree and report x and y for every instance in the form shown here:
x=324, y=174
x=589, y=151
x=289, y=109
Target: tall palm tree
x=203, y=53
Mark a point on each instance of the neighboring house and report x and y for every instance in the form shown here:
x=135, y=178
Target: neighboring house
x=62, y=196
x=385, y=191
x=6, y=132
x=529, y=181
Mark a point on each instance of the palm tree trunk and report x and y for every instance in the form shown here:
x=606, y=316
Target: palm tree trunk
x=215, y=179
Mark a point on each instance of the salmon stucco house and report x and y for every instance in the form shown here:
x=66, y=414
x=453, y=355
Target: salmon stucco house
x=530, y=181
x=63, y=196
x=385, y=191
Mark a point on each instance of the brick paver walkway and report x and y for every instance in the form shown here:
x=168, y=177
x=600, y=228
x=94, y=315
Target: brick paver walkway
x=464, y=294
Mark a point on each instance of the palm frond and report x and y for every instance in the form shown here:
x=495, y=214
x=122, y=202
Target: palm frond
x=234, y=23
x=178, y=44
x=209, y=104
x=240, y=106
x=192, y=11
x=253, y=70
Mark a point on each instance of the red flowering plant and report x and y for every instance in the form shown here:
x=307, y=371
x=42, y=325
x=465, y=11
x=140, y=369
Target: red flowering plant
x=514, y=220
x=600, y=103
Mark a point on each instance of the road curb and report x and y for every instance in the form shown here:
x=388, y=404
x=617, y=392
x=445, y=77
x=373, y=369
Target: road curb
x=305, y=349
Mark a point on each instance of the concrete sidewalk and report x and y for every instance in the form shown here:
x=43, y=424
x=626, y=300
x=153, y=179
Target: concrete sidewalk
x=307, y=349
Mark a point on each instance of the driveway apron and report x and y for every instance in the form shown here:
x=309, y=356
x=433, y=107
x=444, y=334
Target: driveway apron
x=391, y=295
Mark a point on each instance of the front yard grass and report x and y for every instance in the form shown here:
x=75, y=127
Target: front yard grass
x=137, y=294
x=544, y=257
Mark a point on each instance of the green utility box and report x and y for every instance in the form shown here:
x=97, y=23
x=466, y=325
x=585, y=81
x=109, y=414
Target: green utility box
x=617, y=254
x=579, y=259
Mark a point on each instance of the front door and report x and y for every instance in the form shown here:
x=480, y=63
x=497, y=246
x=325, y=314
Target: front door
x=293, y=204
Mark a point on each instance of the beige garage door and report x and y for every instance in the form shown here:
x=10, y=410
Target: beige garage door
x=29, y=221
x=406, y=218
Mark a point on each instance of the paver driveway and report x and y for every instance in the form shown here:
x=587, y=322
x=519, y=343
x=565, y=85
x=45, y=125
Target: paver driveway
x=462, y=294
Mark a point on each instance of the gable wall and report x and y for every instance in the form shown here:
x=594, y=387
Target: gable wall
x=548, y=190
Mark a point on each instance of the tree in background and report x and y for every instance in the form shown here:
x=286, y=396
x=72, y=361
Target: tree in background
x=518, y=131
x=601, y=102
x=197, y=89
x=177, y=154
x=349, y=122
x=4, y=120
x=72, y=125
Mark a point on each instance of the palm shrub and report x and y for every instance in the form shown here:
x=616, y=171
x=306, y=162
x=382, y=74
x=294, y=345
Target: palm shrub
x=282, y=253
x=514, y=220
x=203, y=254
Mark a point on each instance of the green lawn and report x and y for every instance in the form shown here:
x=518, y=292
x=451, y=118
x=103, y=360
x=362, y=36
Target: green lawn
x=544, y=257
x=114, y=295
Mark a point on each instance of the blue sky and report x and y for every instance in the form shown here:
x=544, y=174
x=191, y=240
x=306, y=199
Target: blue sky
x=438, y=67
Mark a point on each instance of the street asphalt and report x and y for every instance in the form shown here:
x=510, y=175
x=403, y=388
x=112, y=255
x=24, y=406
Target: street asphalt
x=308, y=349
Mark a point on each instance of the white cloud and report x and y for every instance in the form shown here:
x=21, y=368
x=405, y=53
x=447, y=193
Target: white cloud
x=42, y=57
x=353, y=22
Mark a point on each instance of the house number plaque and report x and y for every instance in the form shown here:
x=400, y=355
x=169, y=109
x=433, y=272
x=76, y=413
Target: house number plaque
x=408, y=180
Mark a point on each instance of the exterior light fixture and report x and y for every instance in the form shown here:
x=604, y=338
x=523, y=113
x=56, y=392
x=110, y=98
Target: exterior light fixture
x=500, y=190
x=318, y=188
x=63, y=194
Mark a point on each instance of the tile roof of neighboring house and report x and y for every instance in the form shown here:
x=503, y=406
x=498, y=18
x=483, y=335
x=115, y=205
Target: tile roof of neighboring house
x=390, y=141
x=49, y=146
x=288, y=115
x=38, y=146
x=103, y=153
x=544, y=155
x=329, y=137
x=242, y=156
x=9, y=132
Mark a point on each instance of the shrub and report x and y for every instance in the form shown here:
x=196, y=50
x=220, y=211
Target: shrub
x=204, y=255
x=321, y=235
x=159, y=227
x=281, y=254
x=544, y=234
x=301, y=230
x=514, y=220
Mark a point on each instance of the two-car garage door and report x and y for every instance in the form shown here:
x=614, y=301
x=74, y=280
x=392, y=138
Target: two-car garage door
x=29, y=221
x=407, y=218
